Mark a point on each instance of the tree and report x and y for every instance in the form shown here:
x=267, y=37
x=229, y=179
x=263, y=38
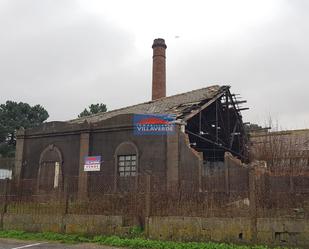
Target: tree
x=13, y=116
x=93, y=109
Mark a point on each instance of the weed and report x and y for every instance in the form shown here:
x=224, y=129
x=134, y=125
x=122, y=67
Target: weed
x=134, y=242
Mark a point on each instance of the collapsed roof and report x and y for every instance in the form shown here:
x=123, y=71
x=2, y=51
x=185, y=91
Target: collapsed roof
x=211, y=118
x=182, y=105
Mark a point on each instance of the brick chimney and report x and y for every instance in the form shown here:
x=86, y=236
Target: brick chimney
x=158, y=69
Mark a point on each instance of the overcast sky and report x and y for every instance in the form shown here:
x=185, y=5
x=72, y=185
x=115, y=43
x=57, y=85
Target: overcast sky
x=68, y=54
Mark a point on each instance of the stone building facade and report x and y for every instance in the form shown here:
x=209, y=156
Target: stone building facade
x=207, y=124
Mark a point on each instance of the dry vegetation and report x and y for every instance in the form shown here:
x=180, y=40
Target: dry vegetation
x=284, y=151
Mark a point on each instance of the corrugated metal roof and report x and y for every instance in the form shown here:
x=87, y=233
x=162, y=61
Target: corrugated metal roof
x=177, y=104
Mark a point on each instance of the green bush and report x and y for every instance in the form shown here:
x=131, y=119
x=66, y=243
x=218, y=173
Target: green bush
x=135, y=232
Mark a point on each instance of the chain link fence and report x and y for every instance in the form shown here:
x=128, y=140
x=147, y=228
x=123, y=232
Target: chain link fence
x=148, y=195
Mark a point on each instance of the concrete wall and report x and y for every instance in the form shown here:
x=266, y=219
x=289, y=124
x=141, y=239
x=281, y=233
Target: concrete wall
x=32, y=223
x=277, y=231
x=272, y=231
x=78, y=224
x=199, y=229
x=283, y=231
x=190, y=163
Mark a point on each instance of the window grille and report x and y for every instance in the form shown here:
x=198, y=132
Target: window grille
x=127, y=165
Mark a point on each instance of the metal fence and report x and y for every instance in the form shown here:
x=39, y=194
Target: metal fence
x=267, y=195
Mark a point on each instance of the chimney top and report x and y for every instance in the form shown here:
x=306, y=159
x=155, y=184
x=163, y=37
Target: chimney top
x=158, y=69
x=159, y=42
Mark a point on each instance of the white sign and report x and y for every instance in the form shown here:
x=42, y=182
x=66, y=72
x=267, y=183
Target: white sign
x=92, y=163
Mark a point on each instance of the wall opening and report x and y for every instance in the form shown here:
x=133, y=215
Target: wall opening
x=240, y=236
x=50, y=174
x=217, y=129
x=126, y=167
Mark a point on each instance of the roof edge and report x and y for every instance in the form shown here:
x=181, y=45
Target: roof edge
x=222, y=87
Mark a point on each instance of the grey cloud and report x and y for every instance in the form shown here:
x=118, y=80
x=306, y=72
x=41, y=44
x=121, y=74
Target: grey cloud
x=52, y=59
x=54, y=53
x=267, y=65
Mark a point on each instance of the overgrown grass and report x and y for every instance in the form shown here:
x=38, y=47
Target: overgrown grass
x=137, y=242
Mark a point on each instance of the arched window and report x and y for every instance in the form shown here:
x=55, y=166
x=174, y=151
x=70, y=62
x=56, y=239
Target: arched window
x=126, y=170
x=50, y=175
x=126, y=165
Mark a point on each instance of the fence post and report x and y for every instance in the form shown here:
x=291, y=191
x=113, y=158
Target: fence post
x=148, y=196
x=147, y=203
x=227, y=176
x=65, y=206
x=83, y=176
x=253, y=204
x=4, y=206
x=292, y=183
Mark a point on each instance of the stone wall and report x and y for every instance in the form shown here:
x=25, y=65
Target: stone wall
x=199, y=229
x=272, y=231
x=276, y=231
x=78, y=224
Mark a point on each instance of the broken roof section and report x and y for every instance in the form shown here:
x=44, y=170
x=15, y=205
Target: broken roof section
x=182, y=105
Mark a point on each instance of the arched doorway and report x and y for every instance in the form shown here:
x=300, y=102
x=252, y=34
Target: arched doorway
x=50, y=174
